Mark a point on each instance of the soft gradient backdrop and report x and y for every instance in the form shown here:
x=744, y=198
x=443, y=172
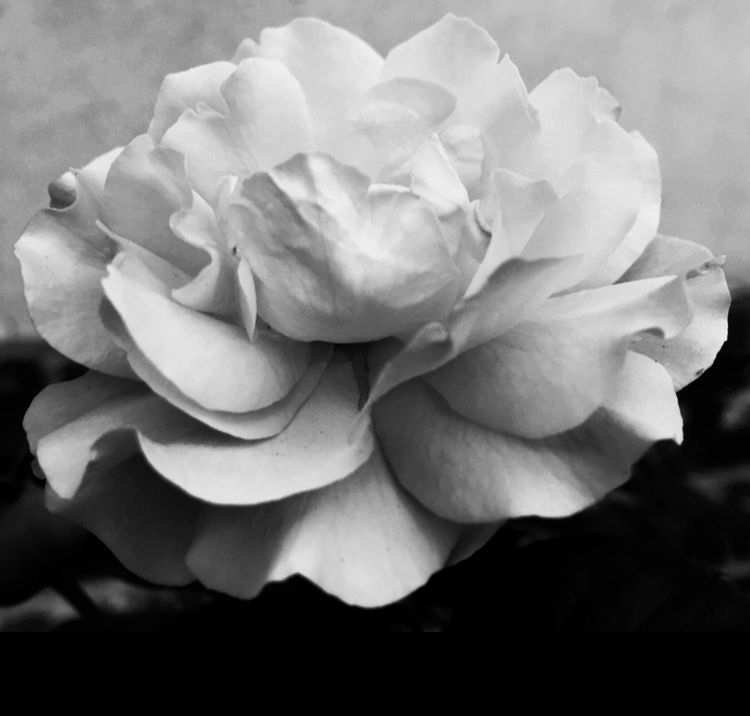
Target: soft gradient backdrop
x=78, y=77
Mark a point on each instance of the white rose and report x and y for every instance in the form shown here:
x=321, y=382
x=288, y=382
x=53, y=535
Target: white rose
x=344, y=315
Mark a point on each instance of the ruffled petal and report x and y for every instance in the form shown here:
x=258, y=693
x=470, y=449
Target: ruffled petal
x=144, y=187
x=690, y=353
x=62, y=276
x=147, y=523
x=267, y=123
x=490, y=307
x=549, y=374
x=334, y=262
x=314, y=450
x=186, y=90
x=63, y=255
x=362, y=539
x=211, y=362
x=333, y=66
x=469, y=473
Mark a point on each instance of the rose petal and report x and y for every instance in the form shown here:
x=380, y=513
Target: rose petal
x=144, y=521
x=596, y=215
x=63, y=403
x=387, y=124
x=549, y=374
x=519, y=204
x=267, y=123
x=70, y=419
x=62, y=276
x=362, y=539
x=690, y=353
x=333, y=66
x=211, y=362
x=213, y=289
x=489, y=308
x=644, y=229
x=569, y=109
x=253, y=425
x=63, y=255
x=144, y=187
x=313, y=451
x=454, y=52
x=333, y=262
x=186, y=90
x=468, y=473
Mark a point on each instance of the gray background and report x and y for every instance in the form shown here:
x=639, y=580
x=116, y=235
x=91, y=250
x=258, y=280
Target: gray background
x=80, y=76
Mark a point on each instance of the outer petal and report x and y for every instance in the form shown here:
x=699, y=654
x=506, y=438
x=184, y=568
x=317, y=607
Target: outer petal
x=211, y=362
x=362, y=539
x=62, y=276
x=147, y=523
x=468, y=473
x=333, y=262
x=550, y=373
x=63, y=257
x=314, y=450
x=120, y=418
x=690, y=353
x=333, y=66
x=266, y=124
x=186, y=90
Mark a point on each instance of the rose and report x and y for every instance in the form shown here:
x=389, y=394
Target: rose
x=345, y=315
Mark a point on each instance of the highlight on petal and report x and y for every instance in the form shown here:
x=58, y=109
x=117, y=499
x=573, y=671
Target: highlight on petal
x=551, y=372
x=211, y=362
x=333, y=66
x=333, y=261
x=267, y=122
x=689, y=354
x=469, y=473
x=362, y=539
x=186, y=90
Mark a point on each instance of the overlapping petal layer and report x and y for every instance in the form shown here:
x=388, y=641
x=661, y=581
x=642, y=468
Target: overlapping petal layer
x=519, y=328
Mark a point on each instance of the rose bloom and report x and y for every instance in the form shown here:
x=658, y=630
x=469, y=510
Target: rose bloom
x=345, y=315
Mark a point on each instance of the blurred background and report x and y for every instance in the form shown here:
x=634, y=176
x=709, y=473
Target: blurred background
x=80, y=76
